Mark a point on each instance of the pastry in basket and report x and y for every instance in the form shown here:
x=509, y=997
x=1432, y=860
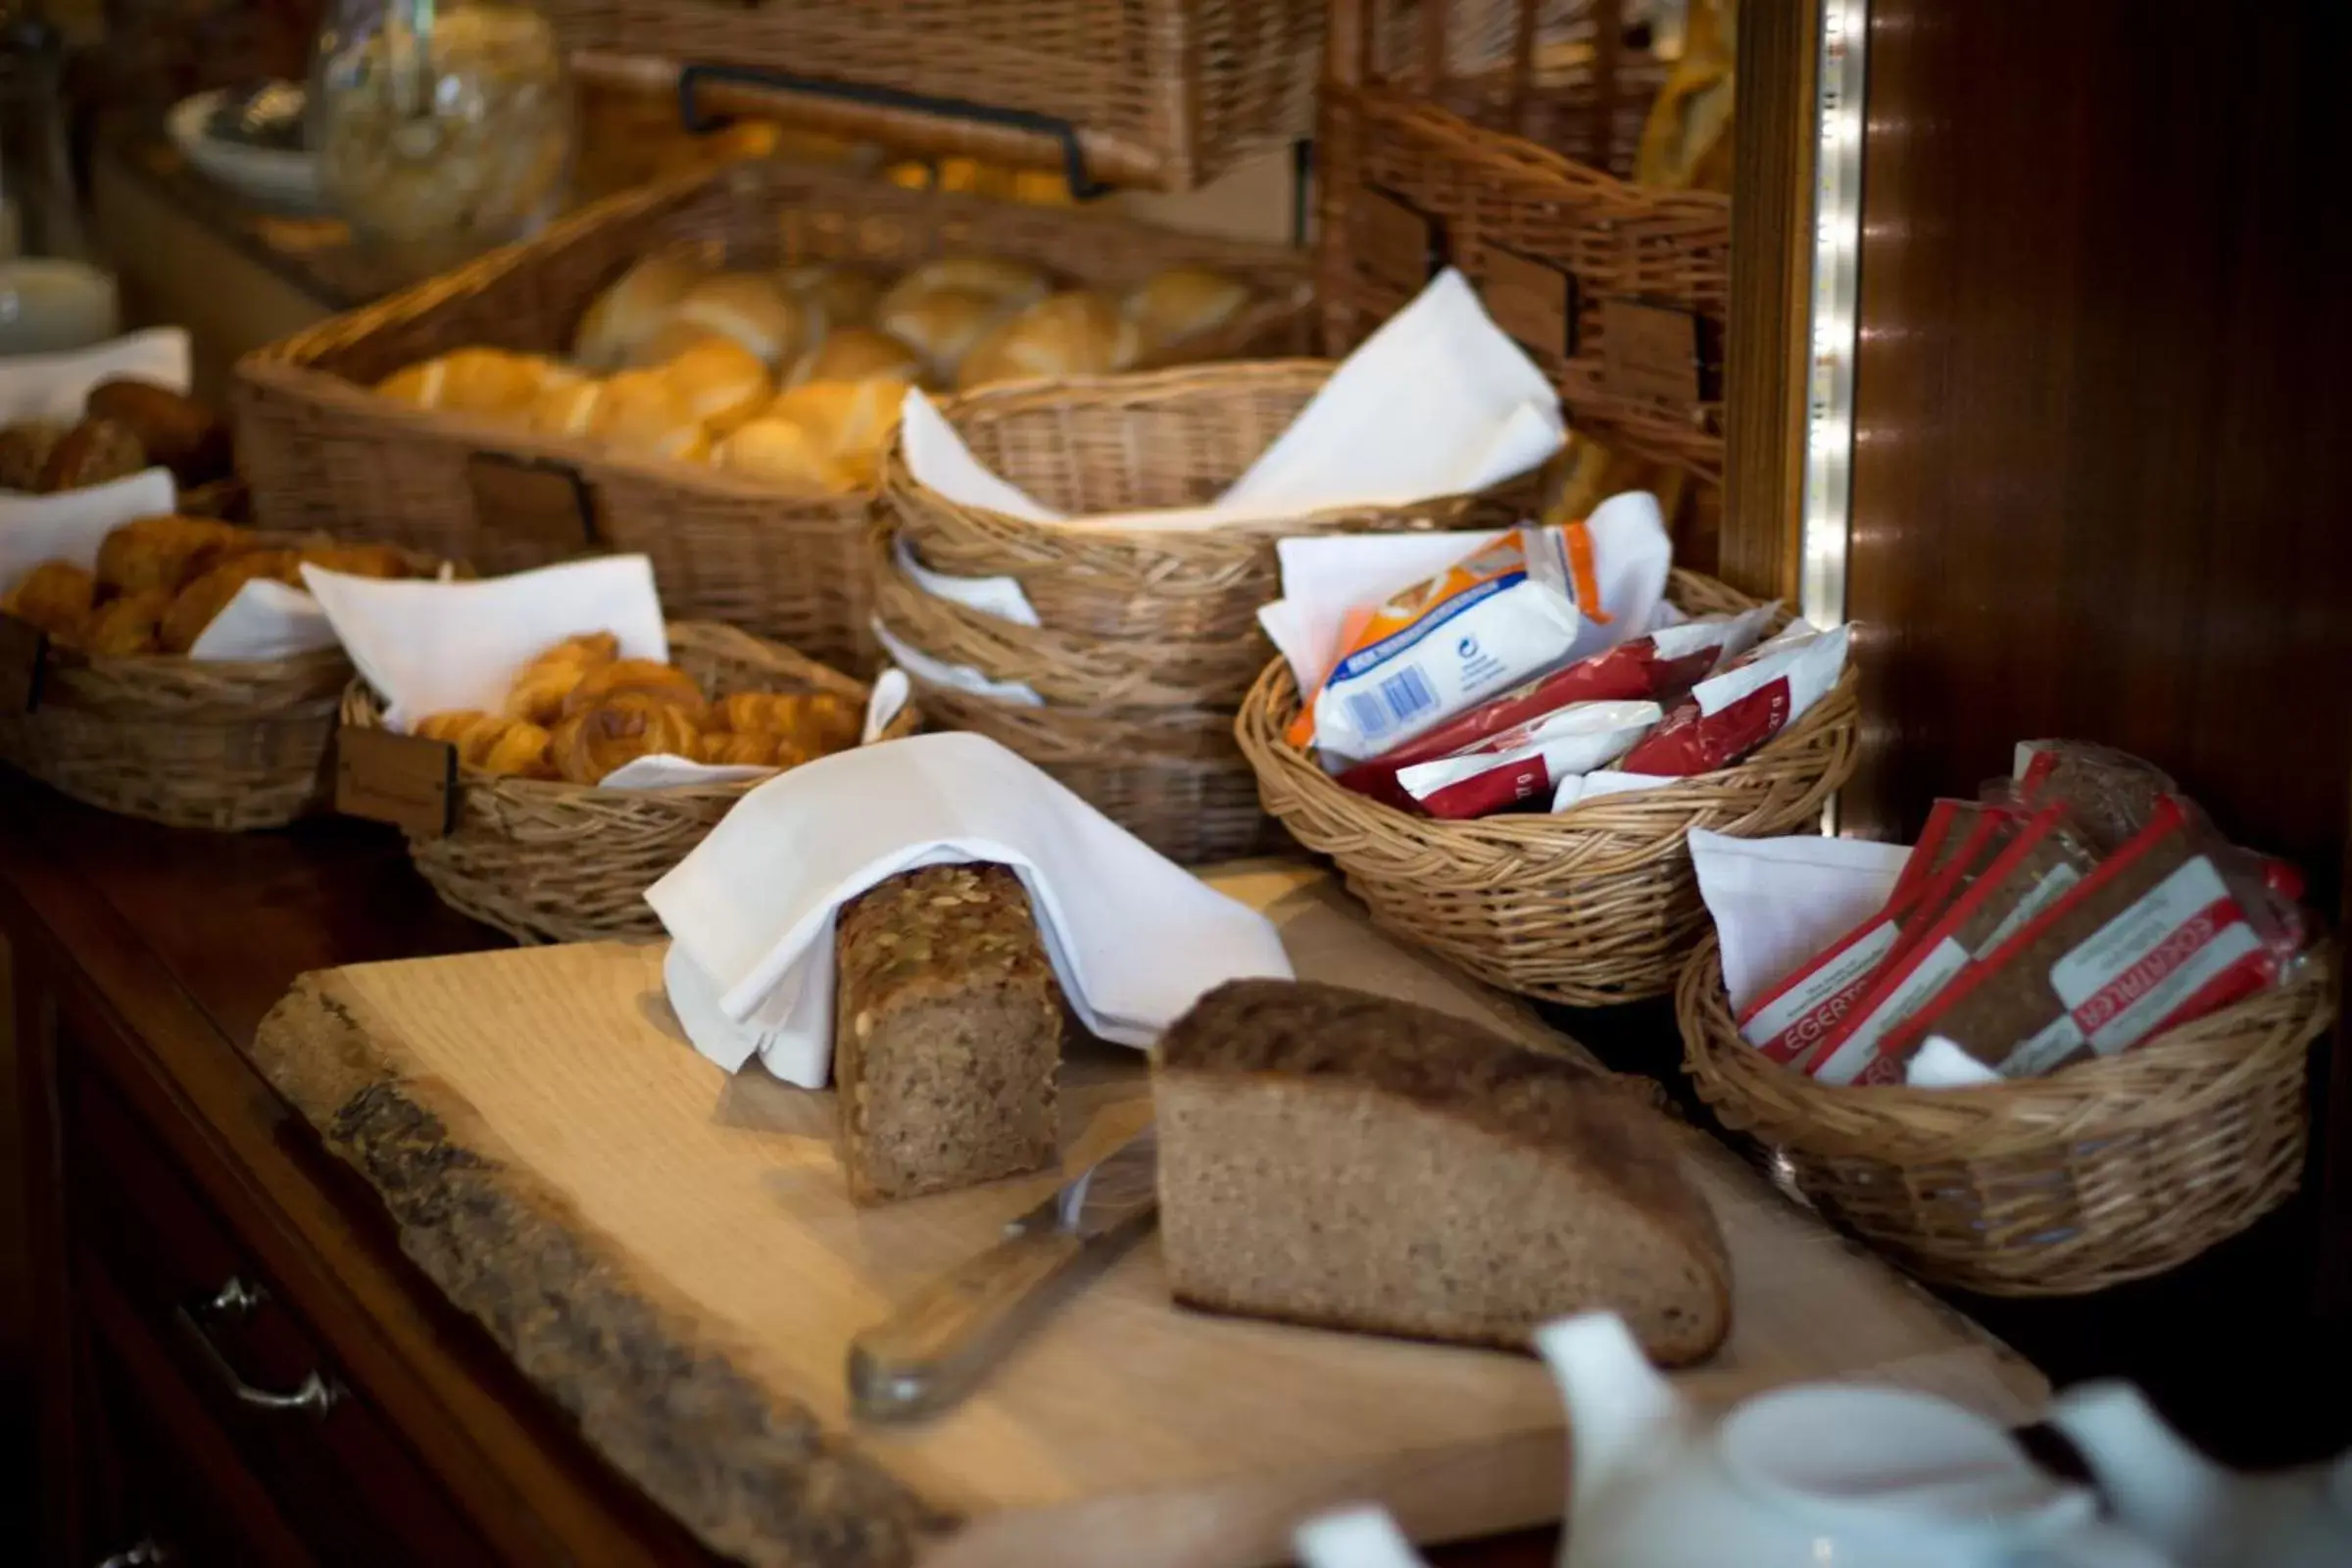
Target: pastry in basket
x=816, y=722
x=1178, y=304
x=942, y=325
x=632, y=310
x=1010, y=283
x=93, y=452
x=593, y=740
x=850, y=421
x=1077, y=334
x=858, y=354
x=209, y=595
x=24, y=449
x=174, y=430
x=492, y=742
x=476, y=380
x=165, y=552
x=786, y=454
x=639, y=413
x=839, y=296
x=721, y=749
x=381, y=562
x=55, y=597
x=753, y=310
x=127, y=625
x=721, y=382
x=639, y=678
x=539, y=691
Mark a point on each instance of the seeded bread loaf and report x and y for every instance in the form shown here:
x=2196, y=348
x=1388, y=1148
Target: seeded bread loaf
x=1340, y=1159
x=947, y=1034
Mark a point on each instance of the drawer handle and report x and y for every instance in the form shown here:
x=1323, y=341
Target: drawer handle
x=233, y=1302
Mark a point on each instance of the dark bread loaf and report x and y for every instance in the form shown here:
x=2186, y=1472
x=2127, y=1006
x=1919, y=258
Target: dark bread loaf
x=947, y=1034
x=176, y=430
x=1341, y=1159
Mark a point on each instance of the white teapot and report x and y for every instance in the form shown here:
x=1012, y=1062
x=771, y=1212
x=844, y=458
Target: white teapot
x=2201, y=1515
x=1817, y=1476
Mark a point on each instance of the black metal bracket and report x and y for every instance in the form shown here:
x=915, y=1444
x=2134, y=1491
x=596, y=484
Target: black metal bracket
x=696, y=121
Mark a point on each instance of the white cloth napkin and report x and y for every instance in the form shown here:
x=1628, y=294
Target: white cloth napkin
x=1778, y=901
x=1354, y=1537
x=1134, y=939
x=1000, y=596
x=953, y=678
x=265, y=621
x=1438, y=402
x=71, y=524
x=52, y=386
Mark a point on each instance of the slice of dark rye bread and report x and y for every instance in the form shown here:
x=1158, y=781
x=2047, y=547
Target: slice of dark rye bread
x=1335, y=1158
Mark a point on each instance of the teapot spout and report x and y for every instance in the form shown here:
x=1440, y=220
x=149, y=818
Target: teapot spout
x=2165, y=1490
x=1618, y=1404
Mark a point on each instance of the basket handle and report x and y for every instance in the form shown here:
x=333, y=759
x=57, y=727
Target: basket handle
x=699, y=121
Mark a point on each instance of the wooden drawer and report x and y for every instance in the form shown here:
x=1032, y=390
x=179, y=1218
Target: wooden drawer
x=186, y=1293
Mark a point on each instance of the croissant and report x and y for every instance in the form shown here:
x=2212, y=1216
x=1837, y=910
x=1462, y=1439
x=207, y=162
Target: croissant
x=647, y=677
x=491, y=743
x=359, y=560
x=724, y=749
x=55, y=596
x=461, y=727
x=127, y=625
x=205, y=598
x=541, y=686
x=591, y=743
x=166, y=552
x=817, y=722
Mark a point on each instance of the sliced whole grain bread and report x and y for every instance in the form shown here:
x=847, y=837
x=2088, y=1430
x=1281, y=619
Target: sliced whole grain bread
x=1336, y=1158
x=947, y=1034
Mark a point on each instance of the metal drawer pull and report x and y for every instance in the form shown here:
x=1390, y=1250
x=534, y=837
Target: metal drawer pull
x=235, y=1300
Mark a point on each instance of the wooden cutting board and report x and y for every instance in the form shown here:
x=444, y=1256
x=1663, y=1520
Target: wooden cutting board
x=667, y=1251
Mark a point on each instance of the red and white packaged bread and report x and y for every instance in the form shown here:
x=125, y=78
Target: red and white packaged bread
x=1743, y=705
x=1789, y=1021
x=1528, y=762
x=2154, y=938
x=1660, y=667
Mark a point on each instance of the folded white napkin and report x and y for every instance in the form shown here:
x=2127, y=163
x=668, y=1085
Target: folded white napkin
x=953, y=678
x=1324, y=576
x=1363, y=1536
x=1000, y=596
x=52, y=386
x=1134, y=939
x=1438, y=402
x=1778, y=901
x=265, y=621
x=71, y=524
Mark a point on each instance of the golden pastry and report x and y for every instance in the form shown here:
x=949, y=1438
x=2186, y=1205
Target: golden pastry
x=1181, y=303
x=942, y=325
x=858, y=354
x=1001, y=278
x=1077, y=334
x=638, y=677
x=639, y=412
x=55, y=596
x=166, y=552
x=471, y=380
x=590, y=744
x=632, y=309
x=24, y=449
x=454, y=725
x=721, y=382
x=566, y=410
x=519, y=749
x=722, y=750
x=540, y=686
x=177, y=431
x=380, y=562
x=126, y=625
x=753, y=310
x=851, y=423
x=785, y=454
x=837, y=296
x=200, y=601
x=93, y=452
x=818, y=722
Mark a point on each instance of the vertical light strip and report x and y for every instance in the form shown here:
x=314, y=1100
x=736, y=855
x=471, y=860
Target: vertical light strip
x=1836, y=289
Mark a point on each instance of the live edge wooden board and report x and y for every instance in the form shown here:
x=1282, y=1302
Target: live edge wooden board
x=667, y=1251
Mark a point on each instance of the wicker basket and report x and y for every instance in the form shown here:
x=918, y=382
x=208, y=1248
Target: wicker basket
x=1595, y=905
x=551, y=861
x=230, y=746
x=1160, y=93
x=317, y=446
x=1500, y=133
x=2106, y=1171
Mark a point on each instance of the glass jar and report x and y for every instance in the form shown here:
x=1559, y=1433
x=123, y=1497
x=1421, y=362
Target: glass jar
x=443, y=127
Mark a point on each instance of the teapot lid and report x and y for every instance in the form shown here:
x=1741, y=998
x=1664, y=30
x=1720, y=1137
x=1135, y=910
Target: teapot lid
x=1871, y=1454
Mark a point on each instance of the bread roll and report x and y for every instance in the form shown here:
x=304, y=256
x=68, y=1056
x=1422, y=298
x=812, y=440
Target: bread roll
x=24, y=449
x=177, y=431
x=1009, y=283
x=165, y=552
x=850, y=421
x=471, y=380
x=56, y=596
x=639, y=412
x=127, y=625
x=753, y=308
x=786, y=455
x=93, y=452
x=721, y=381
x=209, y=595
x=380, y=562
x=940, y=324
x=858, y=354
x=1182, y=303
x=837, y=296
x=418, y=385
x=567, y=409
x=1077, y=334
x=632, y=310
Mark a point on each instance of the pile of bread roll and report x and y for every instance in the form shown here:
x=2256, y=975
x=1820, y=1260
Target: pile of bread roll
x=126, y=425
x=579, y=711
x=161, y=580
x=794, y=378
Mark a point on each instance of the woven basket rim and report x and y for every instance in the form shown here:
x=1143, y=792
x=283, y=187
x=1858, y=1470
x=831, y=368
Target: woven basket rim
x=364, y=707
x=2051, y=1107
x=1273, y=701
x=1004, y=398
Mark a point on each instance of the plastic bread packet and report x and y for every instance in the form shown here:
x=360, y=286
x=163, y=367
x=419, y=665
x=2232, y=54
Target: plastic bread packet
x=2153, y=938
x=1744, y=705
x=1660, y=668
x=2112, y=793
x=1526, y=763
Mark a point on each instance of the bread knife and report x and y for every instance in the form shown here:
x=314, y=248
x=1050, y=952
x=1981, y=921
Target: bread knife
x=940, y=1343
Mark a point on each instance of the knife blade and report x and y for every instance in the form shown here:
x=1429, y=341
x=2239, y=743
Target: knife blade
x=941, y=1341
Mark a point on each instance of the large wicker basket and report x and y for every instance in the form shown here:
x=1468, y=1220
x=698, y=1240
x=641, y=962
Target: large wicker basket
x=1498, y=136
x=1595, y=905
x=1160, y=94
x=1148, y=639
x=2106, y=1171
x=229, y=746
x=316, y=445
x=551, y=861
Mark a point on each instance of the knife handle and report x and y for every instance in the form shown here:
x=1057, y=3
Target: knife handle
x=933, y=1348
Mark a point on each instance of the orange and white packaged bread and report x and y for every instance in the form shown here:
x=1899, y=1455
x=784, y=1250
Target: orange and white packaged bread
x=1496, y=617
